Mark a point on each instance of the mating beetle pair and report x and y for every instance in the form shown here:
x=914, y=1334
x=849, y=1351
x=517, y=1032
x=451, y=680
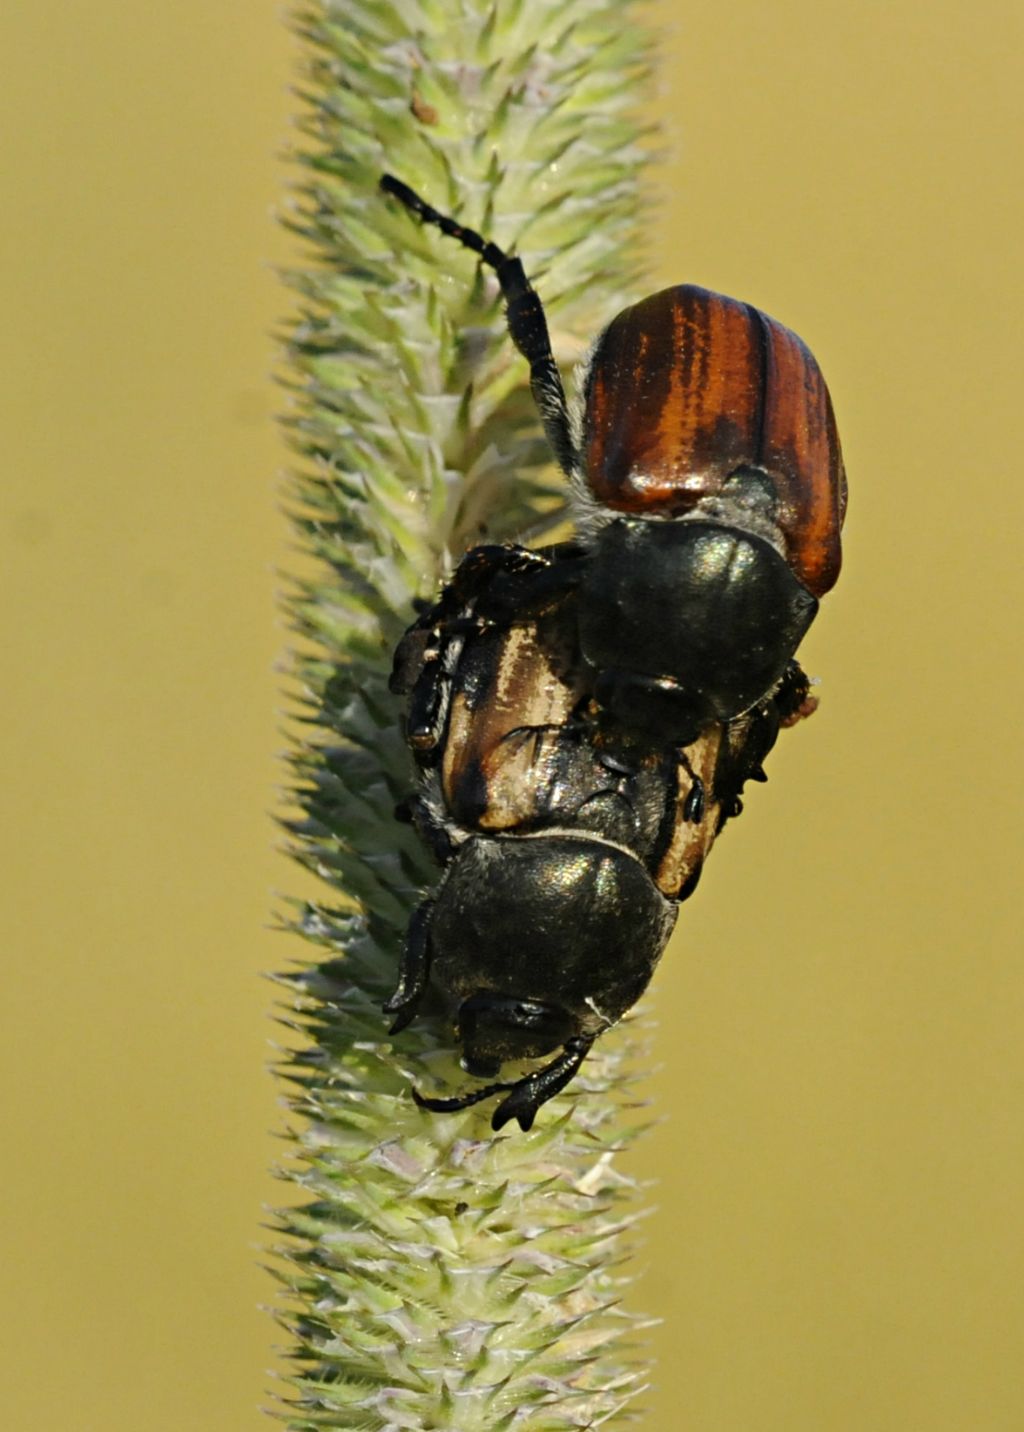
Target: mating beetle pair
x=587, y=714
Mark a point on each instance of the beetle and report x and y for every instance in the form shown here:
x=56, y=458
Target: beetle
x=566, y=842
x=709, y=488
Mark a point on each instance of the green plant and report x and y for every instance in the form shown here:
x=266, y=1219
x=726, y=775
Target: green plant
x=437, y=1276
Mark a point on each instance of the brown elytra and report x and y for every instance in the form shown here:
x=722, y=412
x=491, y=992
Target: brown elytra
x=687, y=386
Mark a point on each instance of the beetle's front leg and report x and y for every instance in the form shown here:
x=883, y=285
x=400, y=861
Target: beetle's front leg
x=470, y=580
x=750, y=737
x=492, y=586
x=413, y=970
x=503, y=578
x=792, y=698
x=536, y=1089
x=430, y=826
x=453, y=612
x=429, y=694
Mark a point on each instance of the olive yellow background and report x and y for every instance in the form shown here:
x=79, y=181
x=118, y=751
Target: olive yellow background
x=839, y=1240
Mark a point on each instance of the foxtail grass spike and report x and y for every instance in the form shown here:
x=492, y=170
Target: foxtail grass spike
x=436, y=1275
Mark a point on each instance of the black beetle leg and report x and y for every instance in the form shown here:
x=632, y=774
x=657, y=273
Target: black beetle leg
x=536, y=1089
x=430, y=827
x=792, y=697
x=414, y=970
x=477, y=569
x=503, y=584
x=693, y=806
x=459, y=1101
x=423, y=667
x=428, y=701
x=695, y=802
x=425, y=657
x=524, y=313
x=525, y=1096
x=748, y=740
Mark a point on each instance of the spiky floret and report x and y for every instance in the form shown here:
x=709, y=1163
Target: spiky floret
x=438, y=1276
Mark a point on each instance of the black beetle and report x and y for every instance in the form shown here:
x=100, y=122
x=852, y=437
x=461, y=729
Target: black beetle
x=566, y=843
x=710, y=494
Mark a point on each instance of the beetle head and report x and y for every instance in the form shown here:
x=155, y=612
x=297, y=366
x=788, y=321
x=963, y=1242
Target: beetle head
x=687, y=622
x=536, y=939
x=493, y=1028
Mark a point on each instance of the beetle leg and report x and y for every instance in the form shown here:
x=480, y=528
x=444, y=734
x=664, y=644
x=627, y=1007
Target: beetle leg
x=536, y=1089
x=751, y=736
x=524, y=313
x=491, y=586
x=525, y=1096
x=696, y=797
x=428, y=701
x=413, y=971
x=494, y=582
x=792, y=697
x=748, y=740
x=459, y=1101
x=429, y=827
x=470, y=581
x=528, y=328
x=424, y=662
x=693, y=806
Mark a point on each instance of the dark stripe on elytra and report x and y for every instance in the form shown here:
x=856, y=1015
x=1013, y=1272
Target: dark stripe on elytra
x=468, y=797
x=761, y=343
x=691, y=306
x=628, y=398
x=703, y=344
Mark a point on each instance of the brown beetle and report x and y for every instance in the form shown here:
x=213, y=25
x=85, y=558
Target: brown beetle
x=688, y=387
x=710, y=493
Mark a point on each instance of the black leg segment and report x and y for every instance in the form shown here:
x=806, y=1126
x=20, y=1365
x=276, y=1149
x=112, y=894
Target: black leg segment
x=536, y=1089
x=524, y=313
x=460, y=1101
x=414, y=970
x=792, y=698
x=525, y=1096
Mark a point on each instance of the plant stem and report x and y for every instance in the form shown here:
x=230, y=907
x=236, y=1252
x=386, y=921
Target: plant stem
x=437, y=1276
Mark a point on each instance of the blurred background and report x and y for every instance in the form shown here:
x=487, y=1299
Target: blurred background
x=839, y=1240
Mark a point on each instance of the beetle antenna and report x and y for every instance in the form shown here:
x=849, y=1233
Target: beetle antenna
x=524, y=314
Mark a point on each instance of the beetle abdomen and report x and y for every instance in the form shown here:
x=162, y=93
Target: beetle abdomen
x=686, y=387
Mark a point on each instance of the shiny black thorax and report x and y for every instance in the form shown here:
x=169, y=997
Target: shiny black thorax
x=686, y=623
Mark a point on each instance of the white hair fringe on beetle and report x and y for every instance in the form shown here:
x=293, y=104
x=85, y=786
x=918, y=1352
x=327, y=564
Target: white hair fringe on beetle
x=435, y=1275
